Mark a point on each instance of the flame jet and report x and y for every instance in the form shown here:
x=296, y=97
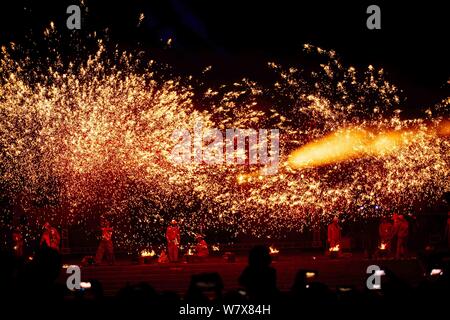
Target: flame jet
x=352, y=143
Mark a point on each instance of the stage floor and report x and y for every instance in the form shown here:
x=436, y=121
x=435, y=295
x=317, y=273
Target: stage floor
x=345, y=271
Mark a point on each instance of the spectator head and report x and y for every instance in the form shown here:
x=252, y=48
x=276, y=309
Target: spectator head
x=259, y=256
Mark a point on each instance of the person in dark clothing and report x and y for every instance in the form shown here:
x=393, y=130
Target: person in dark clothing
x=259, y=278
x=370, y=237
x=447, y=231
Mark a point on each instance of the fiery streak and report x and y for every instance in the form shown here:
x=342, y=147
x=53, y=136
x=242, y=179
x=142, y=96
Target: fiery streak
x=354, y=143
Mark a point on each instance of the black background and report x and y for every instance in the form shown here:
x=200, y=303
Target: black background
x=239, y=37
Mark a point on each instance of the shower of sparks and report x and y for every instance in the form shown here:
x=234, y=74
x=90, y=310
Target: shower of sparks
x=94, y=137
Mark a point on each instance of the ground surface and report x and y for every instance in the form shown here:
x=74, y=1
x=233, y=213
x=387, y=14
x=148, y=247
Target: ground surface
x=346, y=271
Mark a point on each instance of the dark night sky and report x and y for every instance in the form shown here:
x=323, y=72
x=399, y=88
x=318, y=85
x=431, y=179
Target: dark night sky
x=239, y=37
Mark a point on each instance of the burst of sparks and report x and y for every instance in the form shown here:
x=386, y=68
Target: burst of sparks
x=90, y=137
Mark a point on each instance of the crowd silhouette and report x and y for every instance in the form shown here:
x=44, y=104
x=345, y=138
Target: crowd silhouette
x=33, y=285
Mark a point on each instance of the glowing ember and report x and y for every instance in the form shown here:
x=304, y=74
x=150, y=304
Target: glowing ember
x=436, y=272
x=85, y=285
x=335, y=248
x=148, y=253
x=215, y=248
x=382, y=246
x=273, y=250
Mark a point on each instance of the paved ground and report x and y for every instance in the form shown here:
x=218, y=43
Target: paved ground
x=348, y=271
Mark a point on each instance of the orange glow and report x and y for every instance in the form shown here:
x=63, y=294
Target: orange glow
x=148, y=253
x=335, y=248
x=444, y=128
x=335, y=147
x=382, y=246
x=273, y=250
x=351, y=143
